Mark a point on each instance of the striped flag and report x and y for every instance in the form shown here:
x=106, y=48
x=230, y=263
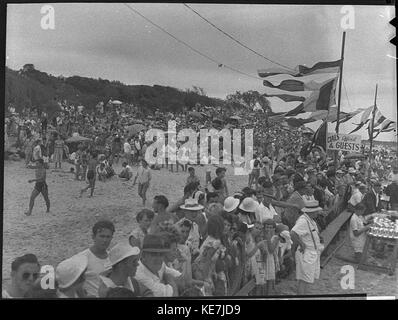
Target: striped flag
x=320, y=67
x=386, y=126
x=364, y=119
x=313, y=87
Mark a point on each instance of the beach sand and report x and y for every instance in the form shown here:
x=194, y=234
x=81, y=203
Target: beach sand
x=67, y=229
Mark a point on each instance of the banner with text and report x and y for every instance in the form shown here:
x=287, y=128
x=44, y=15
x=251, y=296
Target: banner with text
x=343, y=142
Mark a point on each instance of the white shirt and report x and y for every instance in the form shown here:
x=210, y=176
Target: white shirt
x=304, y=232
x=37, y=153
x=263, y=213
x=94, y=268
x=356, y=223
x=153, y=282
x=356, y=197
x=127, y=148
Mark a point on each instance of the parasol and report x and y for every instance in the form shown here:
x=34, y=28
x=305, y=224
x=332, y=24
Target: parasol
x=217, y=120
x=116, y=102
x=77, y=139
x=235, y=118
x=135, y=128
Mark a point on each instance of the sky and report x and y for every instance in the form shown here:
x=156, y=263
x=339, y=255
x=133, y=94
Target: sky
x=110, y=41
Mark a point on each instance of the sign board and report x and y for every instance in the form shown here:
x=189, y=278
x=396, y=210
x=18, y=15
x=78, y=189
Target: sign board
x=343, y=142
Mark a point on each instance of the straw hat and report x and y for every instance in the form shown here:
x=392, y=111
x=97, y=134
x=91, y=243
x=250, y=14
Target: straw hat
x=154, y=243
x=311, y=206
x=192, y=205
x=122, y=251
x=248, y=205
x=230, y=204
x=69, y=270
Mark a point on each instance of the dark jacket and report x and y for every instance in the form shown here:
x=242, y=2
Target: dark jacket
x=369, y=200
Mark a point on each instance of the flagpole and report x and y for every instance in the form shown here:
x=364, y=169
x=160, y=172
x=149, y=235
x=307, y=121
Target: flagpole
x=339, y=96
x=340, y=83
x=371, y=134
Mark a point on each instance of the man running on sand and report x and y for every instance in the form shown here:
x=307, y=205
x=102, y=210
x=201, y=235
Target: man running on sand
x=40, y=187
x=91, y=174
x=144, y=178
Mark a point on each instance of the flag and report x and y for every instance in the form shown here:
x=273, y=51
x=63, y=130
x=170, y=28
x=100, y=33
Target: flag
x=364, y=119
x=386, y=126
x=314, y=87
x=320, y=67
x=319, y=138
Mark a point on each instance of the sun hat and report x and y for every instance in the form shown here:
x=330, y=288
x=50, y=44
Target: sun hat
x=69, y=270
x=311, y=206
x=352, y=170
x=248, y=205
x=192, y=205
x=122, y=251
x=230, y=204
x=154, y=243
x=285, y=234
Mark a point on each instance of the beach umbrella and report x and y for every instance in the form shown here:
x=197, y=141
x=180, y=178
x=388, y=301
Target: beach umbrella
x=77, y=139
x=135, y=128
x=354, y=155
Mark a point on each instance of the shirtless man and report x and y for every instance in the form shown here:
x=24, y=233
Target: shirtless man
x=40, y=187
x=91, y=174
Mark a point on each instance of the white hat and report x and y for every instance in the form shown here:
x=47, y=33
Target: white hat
x=69, y=270
x=122, y=251
x=311, y=206
x=248, y=205
x=285, y=234
x=351, y=170
x=191, y=204
x=230, y=204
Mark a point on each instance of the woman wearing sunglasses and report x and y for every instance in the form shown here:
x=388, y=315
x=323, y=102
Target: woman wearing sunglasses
x=25, y=271
x=70, y=277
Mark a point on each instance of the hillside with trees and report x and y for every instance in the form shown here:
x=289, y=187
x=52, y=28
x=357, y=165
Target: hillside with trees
x=30, y=87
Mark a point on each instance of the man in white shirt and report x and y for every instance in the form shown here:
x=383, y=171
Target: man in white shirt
x=356, y=196
x=97, y=256
x=265, y=210
x=152, y=271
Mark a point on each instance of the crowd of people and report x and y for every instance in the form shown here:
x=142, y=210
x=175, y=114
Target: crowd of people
x=212, y=241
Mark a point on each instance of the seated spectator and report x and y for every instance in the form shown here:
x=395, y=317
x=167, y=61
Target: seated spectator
x=123, y=266
x=144, y=219
x=101, y=172
x=127, y=171
x=152, y=271
x=25, y=270
x=70, y=278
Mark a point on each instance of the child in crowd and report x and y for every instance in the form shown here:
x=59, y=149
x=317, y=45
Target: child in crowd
x=270, y=249
x=144, y=219
x=358, y=230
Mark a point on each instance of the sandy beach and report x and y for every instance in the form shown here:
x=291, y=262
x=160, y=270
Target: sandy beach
x=67, y=229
